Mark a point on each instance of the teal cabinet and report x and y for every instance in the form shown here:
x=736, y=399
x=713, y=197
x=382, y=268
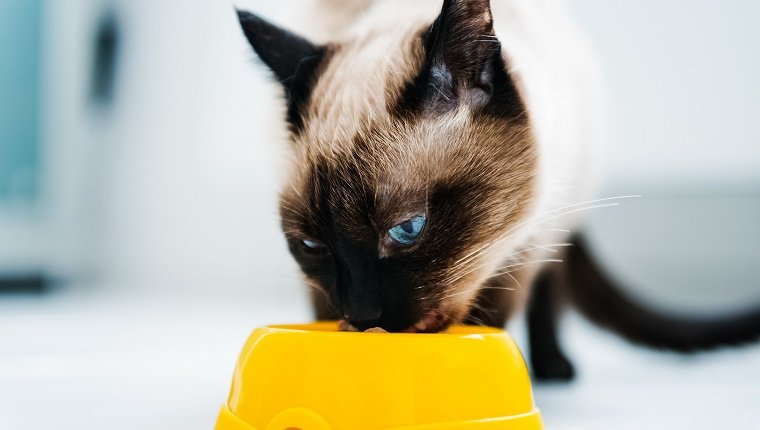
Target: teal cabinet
x=20, y=38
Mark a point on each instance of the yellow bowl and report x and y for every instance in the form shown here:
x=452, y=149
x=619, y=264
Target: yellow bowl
x=313, y=377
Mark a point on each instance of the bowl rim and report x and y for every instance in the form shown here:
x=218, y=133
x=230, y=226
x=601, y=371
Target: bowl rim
x=329, y=328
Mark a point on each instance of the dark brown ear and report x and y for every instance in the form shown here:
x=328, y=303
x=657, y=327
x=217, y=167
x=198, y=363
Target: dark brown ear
x=293, y=60
x=463, y=64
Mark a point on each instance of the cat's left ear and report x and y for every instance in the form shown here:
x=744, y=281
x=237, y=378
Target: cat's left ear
x=463, y=64
x=293, y=60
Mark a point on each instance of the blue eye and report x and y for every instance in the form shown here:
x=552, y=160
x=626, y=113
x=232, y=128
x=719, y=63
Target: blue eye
x=312, y=245
x=408, y=231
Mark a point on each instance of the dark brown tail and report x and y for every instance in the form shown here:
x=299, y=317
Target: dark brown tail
x=596, y=296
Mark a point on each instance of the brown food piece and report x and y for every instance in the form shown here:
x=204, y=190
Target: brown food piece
x=345, y=326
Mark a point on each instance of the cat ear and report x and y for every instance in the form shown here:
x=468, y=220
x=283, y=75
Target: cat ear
x=463, y=63
x=293, y=60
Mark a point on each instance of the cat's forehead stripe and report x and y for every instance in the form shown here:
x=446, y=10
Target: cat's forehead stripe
x=361, y=81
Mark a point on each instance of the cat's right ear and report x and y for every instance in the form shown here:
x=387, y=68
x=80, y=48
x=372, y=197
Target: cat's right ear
x=293, y=60
x=463, y=65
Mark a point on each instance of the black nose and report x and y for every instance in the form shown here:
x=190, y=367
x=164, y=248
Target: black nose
x=362, y=308
x=361, y=301
x=363, y=317
x=359, y=286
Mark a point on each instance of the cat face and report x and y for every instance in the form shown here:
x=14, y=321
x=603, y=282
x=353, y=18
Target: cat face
x=413, y=158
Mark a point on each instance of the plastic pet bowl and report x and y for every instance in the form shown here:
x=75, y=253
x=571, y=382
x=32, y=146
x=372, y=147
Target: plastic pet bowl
x=313, y=377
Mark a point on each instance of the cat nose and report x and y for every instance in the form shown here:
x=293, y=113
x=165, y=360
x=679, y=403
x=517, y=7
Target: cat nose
x=362, y=308
x=363, y=317
x=361, y=303
x=359, y=289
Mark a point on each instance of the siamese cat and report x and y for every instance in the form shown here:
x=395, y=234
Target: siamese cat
x=442, y=157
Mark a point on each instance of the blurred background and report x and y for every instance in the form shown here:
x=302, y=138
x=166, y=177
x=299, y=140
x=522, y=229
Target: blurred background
x=139, y=239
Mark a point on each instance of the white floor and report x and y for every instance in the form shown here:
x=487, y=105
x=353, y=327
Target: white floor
x=78, y=361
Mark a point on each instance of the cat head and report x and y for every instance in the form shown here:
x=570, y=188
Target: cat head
x=414, y=160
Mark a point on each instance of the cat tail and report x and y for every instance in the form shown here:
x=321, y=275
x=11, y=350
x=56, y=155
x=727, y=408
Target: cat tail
x=595, y=294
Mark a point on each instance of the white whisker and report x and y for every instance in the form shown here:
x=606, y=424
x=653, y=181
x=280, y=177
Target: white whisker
x=514, y=279
x=516, y=267
x=548, y=216
x=548, y=247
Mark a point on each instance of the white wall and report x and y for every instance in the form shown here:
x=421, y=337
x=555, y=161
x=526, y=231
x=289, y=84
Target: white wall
x=174, y=183
x=683, y=92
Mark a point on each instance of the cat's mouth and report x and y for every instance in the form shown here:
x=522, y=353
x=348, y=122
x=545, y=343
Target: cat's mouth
x=432, y=322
